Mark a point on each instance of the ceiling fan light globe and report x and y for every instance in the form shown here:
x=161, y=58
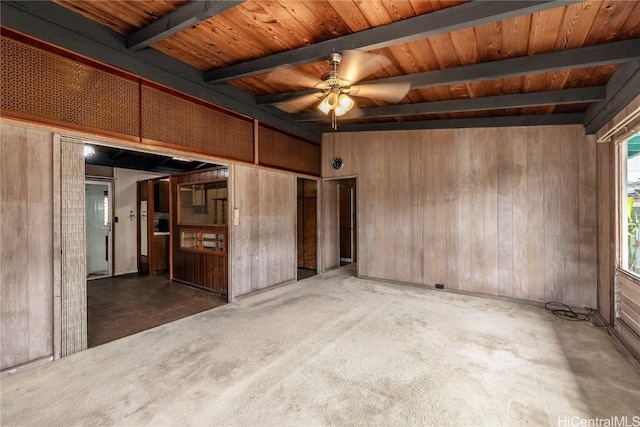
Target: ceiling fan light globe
x=346, y=102
x=324, y=106
x=340, y=111
x=332, y=100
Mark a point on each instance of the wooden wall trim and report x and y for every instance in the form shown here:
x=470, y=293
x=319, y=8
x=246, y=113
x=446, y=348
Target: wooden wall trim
x=57, y=248
x=626, y=111
x=231, y=234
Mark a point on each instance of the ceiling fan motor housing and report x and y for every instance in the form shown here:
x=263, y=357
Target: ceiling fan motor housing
x=334, y=59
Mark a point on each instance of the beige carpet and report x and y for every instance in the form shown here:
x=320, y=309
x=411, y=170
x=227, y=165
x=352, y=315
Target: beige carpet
x=336, y=350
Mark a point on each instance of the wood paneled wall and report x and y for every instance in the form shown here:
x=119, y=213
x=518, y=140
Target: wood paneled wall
x=26, y=249
x=605, y=190
x=264, y=241
x=508, y=211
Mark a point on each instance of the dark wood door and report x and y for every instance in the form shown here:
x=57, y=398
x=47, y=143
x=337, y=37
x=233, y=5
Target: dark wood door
x=346, y=202
x=307, y=223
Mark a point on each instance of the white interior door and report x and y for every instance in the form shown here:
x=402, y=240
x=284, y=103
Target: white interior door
x=98, y=228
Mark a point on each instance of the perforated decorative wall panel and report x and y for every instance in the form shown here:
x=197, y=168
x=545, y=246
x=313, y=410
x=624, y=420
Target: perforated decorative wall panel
x=170, y=118
x=41, y=84
x=277, y=149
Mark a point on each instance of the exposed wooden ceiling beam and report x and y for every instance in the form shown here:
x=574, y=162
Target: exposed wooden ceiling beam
x=182, y=18
x=484, y=122
x=428, y=25
x=534, y=99
x=622, y=88
x=590, y=56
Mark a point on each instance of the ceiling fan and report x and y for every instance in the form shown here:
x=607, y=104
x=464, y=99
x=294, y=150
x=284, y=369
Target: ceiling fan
x=335, y=90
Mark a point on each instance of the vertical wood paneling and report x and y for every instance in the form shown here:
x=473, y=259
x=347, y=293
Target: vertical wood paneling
x=74, y=285
x=264, y=241
x=520, y=221
x=553, y=243
x=490, y=206
x=26, y=252
x=427, y=208
x=478, y=275
x=535, y=216
x=438, y=156
x=40, y=242
x=588, y=222
x=490, y=214
x=506, y=166
x=14, y=249
x=605, y=184
x=451, y=214
x=570, y=217
x=414, y=261
x=464, y=210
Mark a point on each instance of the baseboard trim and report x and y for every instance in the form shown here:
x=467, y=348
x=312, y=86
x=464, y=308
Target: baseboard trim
x=122, y=273
x=268, y=288
x=25, y=366
x=462, y=292
x=629, y=339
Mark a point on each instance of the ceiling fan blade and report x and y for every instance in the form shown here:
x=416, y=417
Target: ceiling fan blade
x=392, y=92
x=288, y=76
x=298, y=104
x=357, y=65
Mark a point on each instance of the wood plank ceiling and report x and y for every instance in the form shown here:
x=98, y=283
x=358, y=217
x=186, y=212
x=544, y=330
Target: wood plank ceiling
x=240, y=33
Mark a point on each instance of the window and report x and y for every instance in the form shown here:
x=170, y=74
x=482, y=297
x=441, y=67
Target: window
x=630, y=203
x=202, y=203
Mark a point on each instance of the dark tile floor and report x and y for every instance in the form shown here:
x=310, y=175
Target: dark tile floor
x=125, y=305
x=304, y=273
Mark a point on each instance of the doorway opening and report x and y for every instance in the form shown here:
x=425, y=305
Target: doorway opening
x=126, y=299
x=347, y=220
x=307, y=238
x=97, y=197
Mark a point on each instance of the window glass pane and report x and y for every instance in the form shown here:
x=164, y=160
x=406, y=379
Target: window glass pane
x=189, y=240
x=631, y=205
